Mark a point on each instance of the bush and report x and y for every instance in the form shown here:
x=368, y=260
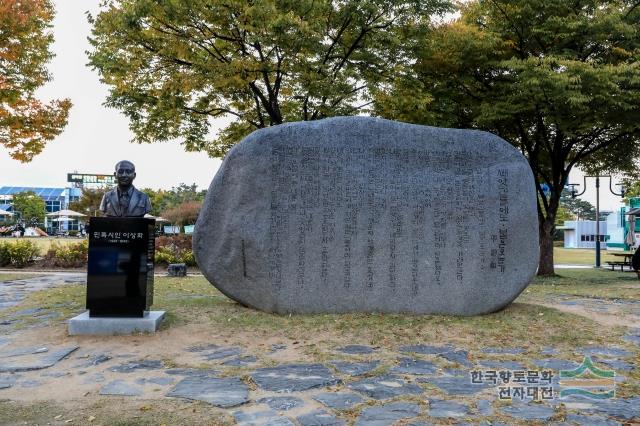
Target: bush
x=67, y=255
x=179, y=241
x=188, y=258
x=22, y=252
x=165, y=256
x=5, y=256
x=174, y=249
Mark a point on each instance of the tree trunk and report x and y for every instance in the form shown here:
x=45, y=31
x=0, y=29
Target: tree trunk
x=546, y=231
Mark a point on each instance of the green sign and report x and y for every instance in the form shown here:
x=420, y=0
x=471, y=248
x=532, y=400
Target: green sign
x=86, y=179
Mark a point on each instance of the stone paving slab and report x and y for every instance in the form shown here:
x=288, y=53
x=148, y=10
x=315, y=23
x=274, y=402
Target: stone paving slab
x=339, y=400
x=426, y=349
x=293, y=377
x=484, y=407
x=282, y=403
x=384, y=387
x=36, y=361
x=387, y=414
x=132, y=366
x=94, y=360
x=458, y=357
x=261, y=418
x=455, y=385
x=502, y=365
x=606, y=351
x=8, y=380
x=503, y=351
x=622, y=408
x=573, y=419
x=356, y=349
x=241, y=361
x=355, y=368
x=440, y=408
x=31, y=350
x=633, y=337
x=529, y=411
x=221, y=392
x=413, y=366
x=160, y=381
x=319, y=418
x=191, y=372
x=221, y=353
x=13, y=292
x=616, y=364
x=120, y=388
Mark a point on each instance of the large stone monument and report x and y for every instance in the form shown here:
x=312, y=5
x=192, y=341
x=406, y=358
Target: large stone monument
x=368, y=215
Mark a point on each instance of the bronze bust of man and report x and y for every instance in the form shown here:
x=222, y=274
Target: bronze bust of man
x=125, y=200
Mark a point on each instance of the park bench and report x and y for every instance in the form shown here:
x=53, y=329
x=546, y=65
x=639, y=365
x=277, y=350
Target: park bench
x=622, y=264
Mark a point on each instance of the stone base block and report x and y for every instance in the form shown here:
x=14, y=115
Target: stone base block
x=177, y=270
x=83, y=324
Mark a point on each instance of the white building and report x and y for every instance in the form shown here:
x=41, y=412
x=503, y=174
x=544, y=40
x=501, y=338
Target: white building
x=582, y=233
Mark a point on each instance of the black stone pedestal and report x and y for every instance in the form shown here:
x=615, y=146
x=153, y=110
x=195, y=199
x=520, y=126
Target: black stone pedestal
x=120, y=271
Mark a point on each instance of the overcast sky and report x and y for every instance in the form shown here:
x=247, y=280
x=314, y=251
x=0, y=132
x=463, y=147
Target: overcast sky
x=96, y=137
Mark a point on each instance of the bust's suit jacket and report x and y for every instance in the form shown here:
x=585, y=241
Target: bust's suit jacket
x=139, y=204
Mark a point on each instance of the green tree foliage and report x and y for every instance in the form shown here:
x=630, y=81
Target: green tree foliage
x=564, y=214
x=576, y=207
x=173, y=66
x=31, y=207
x=559, y=80
x=183, y=214
x=164, y=200
x=632, y=189
x=27, y=124
x=89, y=202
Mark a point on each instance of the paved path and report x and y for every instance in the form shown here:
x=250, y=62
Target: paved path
x=420, y=383
x=14, y=291
x=566, y=266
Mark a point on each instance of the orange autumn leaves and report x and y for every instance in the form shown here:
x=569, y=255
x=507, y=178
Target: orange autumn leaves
x=26, y=123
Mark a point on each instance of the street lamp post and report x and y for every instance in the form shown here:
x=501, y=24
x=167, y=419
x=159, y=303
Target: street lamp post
x=575, y=194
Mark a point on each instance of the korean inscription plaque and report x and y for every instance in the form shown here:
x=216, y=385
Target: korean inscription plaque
x=120, y=267
x=357, y=214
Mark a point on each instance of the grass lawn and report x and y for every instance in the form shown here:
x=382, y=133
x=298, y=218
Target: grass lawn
x=567, y=256
x=8, y=276
x=44, y=243
x=193, y=300
x=602, y=284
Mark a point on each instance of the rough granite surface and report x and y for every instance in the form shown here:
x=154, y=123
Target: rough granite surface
x=358, y=214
